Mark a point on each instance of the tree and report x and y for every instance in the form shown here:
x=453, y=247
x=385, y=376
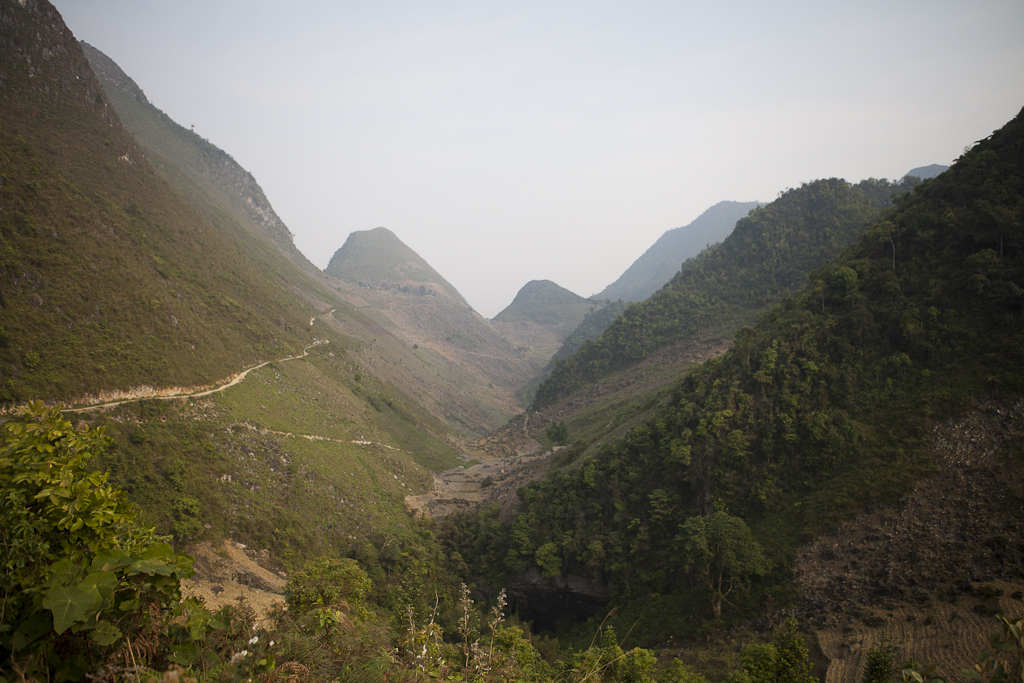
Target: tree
x=722, y=551
x=557, y=433
x=77, y=572
x=880, y=666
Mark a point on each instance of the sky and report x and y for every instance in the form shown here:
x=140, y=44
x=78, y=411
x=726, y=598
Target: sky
x=548, y=140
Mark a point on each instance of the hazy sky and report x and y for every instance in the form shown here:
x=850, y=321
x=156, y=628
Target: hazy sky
x=512, y=141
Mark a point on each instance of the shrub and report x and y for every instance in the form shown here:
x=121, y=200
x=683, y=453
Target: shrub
x=78, y=575
x=325, y=582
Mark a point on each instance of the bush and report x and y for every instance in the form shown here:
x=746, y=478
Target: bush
x=325, y=582
x=78, y=575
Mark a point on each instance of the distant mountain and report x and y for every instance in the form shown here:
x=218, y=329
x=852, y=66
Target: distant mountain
x=192, y=163
x=546, y=303
x=650, y=272
x=377, y=257
x=766, y=258
x=927, y=172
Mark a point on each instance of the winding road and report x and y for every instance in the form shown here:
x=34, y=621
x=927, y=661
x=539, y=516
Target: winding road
x=149, y=393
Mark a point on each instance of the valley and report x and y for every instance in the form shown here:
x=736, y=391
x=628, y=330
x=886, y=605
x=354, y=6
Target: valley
x=798, y=452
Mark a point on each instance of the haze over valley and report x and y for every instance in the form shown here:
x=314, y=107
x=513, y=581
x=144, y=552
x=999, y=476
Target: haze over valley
x=468, y=357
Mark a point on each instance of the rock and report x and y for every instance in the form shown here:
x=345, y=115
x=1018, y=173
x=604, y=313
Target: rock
x=250, y=579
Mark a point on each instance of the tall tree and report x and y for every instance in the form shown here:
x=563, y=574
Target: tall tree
x=721, y=549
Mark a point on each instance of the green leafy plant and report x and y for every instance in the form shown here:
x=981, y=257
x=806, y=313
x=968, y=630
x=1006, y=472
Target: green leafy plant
x=79, y=574
x=1005, y=661
x=784, y=660
x=557, y=433
x=881, y=663
x=325, y=582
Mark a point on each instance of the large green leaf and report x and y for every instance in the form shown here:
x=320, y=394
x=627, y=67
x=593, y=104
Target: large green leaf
x=69, y=604
x=102, y=584
x=105, y=633
x=110, y=560
x=186, y=655
x=159, y=559
x=63, y=572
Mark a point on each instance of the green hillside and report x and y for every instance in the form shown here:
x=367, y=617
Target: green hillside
x=593, y=324
x=662, y=260
x=116, y=283
x=820, y=411
x=110, y=279
x=392, y=317
x=766, y=258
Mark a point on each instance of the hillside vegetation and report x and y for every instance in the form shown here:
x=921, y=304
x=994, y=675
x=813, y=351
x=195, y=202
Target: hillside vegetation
x=766, y=258
x=821, y=410
x=110, y=279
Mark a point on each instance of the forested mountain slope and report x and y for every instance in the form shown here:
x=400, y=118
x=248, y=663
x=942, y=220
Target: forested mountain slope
x=821, y=410
x=766, y=258
x=662, y=260
x=593, y=324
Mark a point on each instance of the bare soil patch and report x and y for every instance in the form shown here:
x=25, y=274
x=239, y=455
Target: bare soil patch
x=933, y=569
x=491, y=482
x=229, y=572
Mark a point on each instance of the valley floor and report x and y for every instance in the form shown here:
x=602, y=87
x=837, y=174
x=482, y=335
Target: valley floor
x=491, y=482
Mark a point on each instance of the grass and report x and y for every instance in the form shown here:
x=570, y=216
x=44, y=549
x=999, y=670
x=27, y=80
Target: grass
x=296, y=458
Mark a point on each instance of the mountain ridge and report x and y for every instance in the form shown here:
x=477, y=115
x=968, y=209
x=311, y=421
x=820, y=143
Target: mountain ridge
x=673, y=249
x=765, y=258
x=170, y=145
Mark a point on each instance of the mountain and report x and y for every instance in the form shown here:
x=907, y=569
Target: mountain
x=875, y=412
x=593, y=324
x=766, y=258
x=657, y=265
x=230, y=198
x=927, y=172
x=192, y=164
x=465, y=370
x=545, y=303
x=110, y=279
x=377, y=258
